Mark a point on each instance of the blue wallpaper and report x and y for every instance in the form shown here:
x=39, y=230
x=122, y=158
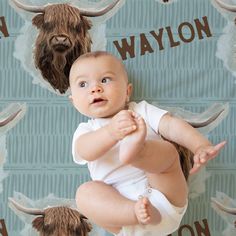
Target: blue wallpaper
x=189, y=76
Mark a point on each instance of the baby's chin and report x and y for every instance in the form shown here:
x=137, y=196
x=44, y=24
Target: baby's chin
x=102, y=115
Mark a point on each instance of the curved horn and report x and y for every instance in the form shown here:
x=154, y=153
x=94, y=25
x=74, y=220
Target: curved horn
x=9, y=119
x=35, y=9
x=30, y=211
x=226, y=6
x=99, y=12
x=220, y=206
x=207, y=117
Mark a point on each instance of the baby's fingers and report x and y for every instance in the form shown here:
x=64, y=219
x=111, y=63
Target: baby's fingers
x=127, y=130
x=219, y=146
x=213, y=152
x=195, y=168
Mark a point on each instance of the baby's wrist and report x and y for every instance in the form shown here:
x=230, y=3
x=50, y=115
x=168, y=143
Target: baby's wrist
x=202, y=146
x=109, y=130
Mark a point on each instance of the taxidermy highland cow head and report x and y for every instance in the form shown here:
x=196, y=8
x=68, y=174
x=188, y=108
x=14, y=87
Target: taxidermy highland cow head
x=63, y=37
x=57, y=221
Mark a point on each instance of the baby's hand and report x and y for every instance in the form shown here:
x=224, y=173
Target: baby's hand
x=205, y=154
x=122, y=124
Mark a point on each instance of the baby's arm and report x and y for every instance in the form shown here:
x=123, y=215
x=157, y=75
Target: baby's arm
x=181, y=132
x=94, y=144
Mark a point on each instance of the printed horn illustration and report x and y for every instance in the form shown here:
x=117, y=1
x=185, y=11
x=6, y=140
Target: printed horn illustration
x=83, y=12
x=220, y=206
x=226, y=6
x=10, y=118
x=207, y=117
x=30, y=211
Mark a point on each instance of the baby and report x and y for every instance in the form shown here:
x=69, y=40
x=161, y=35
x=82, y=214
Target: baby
x=138, y=185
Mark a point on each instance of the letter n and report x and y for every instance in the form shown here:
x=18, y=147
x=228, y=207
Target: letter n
x=125, y=47
x=203, y=27
x=202, y=230
x=3, y=229
x=3, y=27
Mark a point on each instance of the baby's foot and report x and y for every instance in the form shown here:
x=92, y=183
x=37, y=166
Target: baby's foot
x=132, y=144
x=146, y=213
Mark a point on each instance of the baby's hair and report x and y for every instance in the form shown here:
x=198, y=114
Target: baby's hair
x=94, y=54
x=97, y=54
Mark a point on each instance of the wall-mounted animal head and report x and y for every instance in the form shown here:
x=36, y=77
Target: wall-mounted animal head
x=63, y=37
x=57, y=221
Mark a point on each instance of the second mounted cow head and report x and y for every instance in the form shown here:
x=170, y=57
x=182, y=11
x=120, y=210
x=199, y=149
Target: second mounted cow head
x=56, y=221
x=63, y=37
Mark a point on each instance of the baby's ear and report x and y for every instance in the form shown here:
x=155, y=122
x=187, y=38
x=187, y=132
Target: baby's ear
x=129, y=90
x=71, y=99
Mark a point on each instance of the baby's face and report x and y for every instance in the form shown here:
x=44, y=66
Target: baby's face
x=99, y=86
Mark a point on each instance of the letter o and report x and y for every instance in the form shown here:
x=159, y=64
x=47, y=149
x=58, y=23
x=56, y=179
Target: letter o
x=192, y=32
x=185, y=227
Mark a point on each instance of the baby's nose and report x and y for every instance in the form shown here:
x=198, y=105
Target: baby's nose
x=97, y=89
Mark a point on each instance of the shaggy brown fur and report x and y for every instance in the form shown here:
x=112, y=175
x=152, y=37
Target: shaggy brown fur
x=55, y=59
x=62, y=221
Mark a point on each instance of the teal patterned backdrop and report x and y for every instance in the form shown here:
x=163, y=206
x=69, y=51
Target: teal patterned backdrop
x=190, y=76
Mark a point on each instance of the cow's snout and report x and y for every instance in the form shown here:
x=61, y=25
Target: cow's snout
x=60, y=43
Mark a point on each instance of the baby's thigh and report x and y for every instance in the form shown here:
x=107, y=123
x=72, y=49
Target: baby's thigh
x=171, y=183
x=87, y=191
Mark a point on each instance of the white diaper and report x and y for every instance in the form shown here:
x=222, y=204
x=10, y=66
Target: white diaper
x=171, y=216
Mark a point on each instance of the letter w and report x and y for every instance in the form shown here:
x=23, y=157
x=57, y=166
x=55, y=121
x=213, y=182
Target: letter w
x=125, y=48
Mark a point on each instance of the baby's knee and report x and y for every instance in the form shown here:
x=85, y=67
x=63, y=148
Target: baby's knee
x=85, y=191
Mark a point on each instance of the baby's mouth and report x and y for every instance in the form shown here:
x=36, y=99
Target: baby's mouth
x=98, y=100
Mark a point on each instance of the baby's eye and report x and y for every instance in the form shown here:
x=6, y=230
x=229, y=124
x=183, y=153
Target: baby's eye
x=106, y=80
x=83, y=84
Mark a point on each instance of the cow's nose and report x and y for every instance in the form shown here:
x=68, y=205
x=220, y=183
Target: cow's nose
x=61, y=40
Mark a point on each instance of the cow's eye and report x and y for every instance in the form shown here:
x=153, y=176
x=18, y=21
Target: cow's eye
x=106, y=80
x=83, y=84
x=77, y=28
x=74, y=28
x=48, y=26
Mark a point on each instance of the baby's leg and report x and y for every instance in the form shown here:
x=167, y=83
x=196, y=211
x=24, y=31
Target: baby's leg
x=146, y=213
x=160, y=160
x=132, y=144
x=106, y=207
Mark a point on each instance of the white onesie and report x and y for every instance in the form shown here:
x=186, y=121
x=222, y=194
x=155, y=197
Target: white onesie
x=131, y=182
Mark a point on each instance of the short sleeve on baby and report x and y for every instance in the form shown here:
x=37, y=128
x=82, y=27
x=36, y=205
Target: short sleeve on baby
x=151, y=114
x=82, y=129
